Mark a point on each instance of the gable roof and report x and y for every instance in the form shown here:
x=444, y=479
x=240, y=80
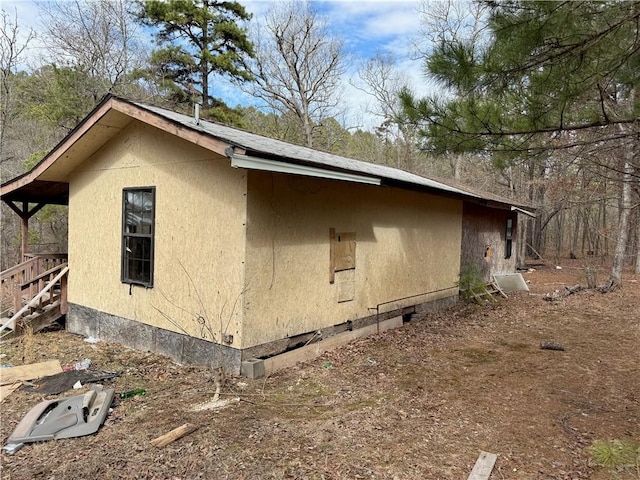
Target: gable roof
x=244, y=149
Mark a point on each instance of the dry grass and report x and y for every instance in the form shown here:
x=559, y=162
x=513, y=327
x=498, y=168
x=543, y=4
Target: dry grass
x=416, y=402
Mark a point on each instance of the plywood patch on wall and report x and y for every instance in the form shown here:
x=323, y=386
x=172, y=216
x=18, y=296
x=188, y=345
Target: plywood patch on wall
x=345, y=251
x=345, y=285
x=342, y=264
x=342, y=252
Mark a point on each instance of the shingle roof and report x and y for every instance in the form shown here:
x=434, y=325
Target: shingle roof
x=259, y=145
x=24, y=187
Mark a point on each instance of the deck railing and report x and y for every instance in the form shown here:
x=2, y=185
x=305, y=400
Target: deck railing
x=12, y=279
x=51, y=288
x=31, y=288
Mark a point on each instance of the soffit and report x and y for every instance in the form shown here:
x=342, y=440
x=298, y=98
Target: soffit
x=85, y=145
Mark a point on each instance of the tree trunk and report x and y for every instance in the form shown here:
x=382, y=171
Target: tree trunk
x=204, y=71
x=637, y=270
x=576, y=232
x=615, y=280
x=522, y=229
x=307, y=131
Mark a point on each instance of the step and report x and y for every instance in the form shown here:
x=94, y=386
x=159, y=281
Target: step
x=3, y=321
x=44, y=318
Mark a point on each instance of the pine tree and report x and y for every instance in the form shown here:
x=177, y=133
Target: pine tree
x=549, y=77
x=198, y=38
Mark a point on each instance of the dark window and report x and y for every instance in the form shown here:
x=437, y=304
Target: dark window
x=508, y=239
x=138, y=218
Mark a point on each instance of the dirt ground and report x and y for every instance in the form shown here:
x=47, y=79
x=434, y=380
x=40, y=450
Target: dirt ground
x=418, y=402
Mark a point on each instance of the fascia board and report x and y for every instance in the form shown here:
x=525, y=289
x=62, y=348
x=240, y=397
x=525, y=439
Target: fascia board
x=256, y=163
x=523, y=211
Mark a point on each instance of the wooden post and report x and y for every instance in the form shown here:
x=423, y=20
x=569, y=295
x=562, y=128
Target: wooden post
x=64, y=308
x=17, y=298
x=25, y=214
x=24, y=233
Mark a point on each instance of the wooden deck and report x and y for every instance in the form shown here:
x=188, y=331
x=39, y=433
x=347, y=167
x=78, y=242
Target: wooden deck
x=34, y=293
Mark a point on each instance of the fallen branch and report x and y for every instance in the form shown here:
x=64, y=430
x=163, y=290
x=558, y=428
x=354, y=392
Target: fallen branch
x=608, y=286
x=265, y=404
x=557, y=295
x=552, y=346
x=173, y=435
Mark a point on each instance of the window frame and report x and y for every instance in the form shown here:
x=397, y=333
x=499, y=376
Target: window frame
x=508, y=240
x=125, y=276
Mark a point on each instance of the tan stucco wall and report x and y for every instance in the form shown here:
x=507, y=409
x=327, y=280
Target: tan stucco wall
x=408, y=243
x=199, y=234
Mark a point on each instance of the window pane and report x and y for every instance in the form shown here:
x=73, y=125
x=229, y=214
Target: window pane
x=145, y=223
x=132, y=222
x=138, y=259
x=139, y=270
x=509, y=227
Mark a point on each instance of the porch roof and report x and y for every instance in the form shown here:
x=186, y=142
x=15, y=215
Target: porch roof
x=38, y=191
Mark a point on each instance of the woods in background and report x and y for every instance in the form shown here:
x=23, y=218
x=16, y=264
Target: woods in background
x=535, y=100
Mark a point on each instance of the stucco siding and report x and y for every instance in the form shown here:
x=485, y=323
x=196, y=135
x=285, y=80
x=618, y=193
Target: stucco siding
x=407, y=243
x=200, y=214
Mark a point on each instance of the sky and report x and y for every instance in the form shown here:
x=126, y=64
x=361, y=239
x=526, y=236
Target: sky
x=367, y=27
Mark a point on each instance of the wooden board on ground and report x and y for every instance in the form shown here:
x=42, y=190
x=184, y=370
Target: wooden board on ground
x=29, y=372
x=6, y=390
x=314, y=350
x=173, y=435
x=483, y=467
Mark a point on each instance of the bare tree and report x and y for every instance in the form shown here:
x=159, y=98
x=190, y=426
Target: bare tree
x=452, y=23
x=11, y=49
x=298, y=65
x=381, y=79
x=99, y=36
x=383, y=82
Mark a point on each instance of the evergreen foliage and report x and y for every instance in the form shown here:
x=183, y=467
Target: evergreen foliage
x=197, y=38
x=548, y=67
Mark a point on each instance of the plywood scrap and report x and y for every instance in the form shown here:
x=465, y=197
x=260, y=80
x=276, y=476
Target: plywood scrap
x=511, y=282
x=6, y=390
x=483, y=467
x=63, y=381
x=32, y=371
x=173, y=435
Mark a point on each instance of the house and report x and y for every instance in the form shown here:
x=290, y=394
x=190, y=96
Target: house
x=213, y=245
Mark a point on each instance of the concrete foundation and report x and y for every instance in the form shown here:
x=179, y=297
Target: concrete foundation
x=279, y=346
x=190, y=350
x=139, y=336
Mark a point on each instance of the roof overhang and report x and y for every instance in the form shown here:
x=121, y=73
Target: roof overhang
x=255, y=163
x=48, y=181
x=523, y=211
x=38, y=191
